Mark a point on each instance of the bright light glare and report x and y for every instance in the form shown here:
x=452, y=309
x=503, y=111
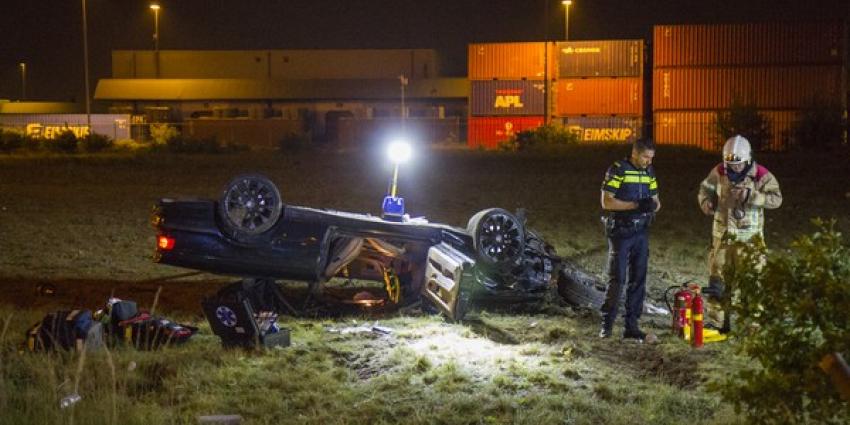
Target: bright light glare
x=399, y=151
x=154, y=6
x=567, y=2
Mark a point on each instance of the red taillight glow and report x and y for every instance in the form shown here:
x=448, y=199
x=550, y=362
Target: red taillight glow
x=165, y=243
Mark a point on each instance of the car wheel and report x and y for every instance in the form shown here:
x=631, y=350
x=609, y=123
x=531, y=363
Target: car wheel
x=579, y=288
x=498, y=237
x=250, y=205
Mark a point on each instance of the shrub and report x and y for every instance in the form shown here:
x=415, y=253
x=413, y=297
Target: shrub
x=821, y=125
x=744, y=119
x=162, y=133
x=65, y=142
x=294, y=142
x=10, y=141
x=96, y=143
x=547, y=136
x=792, y=310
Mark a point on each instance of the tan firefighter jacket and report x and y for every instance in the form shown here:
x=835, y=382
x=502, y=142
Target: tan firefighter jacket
x=748, y=220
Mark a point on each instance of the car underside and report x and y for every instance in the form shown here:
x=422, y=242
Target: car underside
x=251, y=234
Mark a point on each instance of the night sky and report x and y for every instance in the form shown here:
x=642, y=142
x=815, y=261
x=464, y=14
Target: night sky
x=47, y=34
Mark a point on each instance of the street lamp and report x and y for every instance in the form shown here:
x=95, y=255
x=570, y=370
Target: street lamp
x=403, y=80
x=567, y=4
x=23, y=66
x=155, y=8
x=86, y=66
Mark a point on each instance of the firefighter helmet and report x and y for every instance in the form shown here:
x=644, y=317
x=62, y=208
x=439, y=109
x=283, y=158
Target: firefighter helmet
x=737, y=150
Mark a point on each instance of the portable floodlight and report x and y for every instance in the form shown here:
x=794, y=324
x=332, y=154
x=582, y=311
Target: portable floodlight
x=399, y=152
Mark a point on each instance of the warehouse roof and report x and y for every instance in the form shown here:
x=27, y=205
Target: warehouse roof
x=268, y=89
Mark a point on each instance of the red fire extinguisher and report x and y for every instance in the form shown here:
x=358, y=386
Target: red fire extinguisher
x=681, y=314
x=697, y=307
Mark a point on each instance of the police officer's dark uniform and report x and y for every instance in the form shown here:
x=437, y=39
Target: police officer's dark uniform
x=628, y=243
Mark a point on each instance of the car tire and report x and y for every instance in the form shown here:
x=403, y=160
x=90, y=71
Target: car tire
x=498, y=238
x=579, y=288
x=250, y=205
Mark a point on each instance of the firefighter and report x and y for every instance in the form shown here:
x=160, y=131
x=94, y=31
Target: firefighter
x=629, y=200
x=736, y=192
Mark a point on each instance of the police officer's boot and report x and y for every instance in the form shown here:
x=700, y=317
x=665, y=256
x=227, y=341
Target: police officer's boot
x=632, y=330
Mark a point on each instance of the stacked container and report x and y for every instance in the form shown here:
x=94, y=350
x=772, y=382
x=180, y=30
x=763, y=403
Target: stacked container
x=600, y=92
x=507, y=89
x=698, y=70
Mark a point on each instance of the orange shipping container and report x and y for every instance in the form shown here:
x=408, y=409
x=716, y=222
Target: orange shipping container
x=512, y=61
x=599, y=96
x=757, y=44
x=699, y=129
x=767, y=88
x=488, y=132
x=600, y=58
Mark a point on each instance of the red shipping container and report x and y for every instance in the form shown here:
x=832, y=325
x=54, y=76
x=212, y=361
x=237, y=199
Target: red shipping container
x=488, y=132
x=599, y=96
x=757, y=44
x=699, y=129
x=512, y=61
x=767, y=88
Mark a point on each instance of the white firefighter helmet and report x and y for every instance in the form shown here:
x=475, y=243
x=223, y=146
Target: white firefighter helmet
x=737, y=150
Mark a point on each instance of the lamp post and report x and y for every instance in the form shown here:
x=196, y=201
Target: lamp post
x=86, y=66
x=155, y=8
x=403, y=81
x=23, y=66
x=567, y=4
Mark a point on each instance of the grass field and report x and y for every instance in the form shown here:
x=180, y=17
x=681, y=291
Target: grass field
x=82, y=225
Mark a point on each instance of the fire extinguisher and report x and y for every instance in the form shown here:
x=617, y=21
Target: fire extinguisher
x=697, y=306
x=681, y=309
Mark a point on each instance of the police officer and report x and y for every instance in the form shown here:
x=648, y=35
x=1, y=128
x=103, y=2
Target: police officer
x=630, y=201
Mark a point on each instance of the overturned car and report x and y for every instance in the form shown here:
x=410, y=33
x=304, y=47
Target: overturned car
x=250, y=233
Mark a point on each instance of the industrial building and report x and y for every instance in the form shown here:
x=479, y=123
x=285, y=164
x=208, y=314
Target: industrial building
x=258, y=96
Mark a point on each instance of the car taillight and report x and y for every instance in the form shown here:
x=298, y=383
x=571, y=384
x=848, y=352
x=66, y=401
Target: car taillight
x=164, y=243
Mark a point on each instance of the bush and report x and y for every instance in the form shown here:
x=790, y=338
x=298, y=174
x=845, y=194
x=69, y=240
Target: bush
x=65, y=142
x=821, y=126
x=792, y=310
x=294, y=142
x=96, y=143
x=162, y=133
x=744, y=119
x=11, y=141
x=547, y=136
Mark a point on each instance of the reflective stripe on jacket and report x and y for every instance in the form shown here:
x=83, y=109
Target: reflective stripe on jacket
x=629, y=183
x=764, y=194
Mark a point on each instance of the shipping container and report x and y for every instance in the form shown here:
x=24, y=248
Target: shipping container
x=48, y=126
x=767, y=88
x=512, y=61
x=506, y=97
x=756, y=44
x=600, y=58
x=599, y=96
x=699, y=129
x=603, y=128
x=488, y=132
